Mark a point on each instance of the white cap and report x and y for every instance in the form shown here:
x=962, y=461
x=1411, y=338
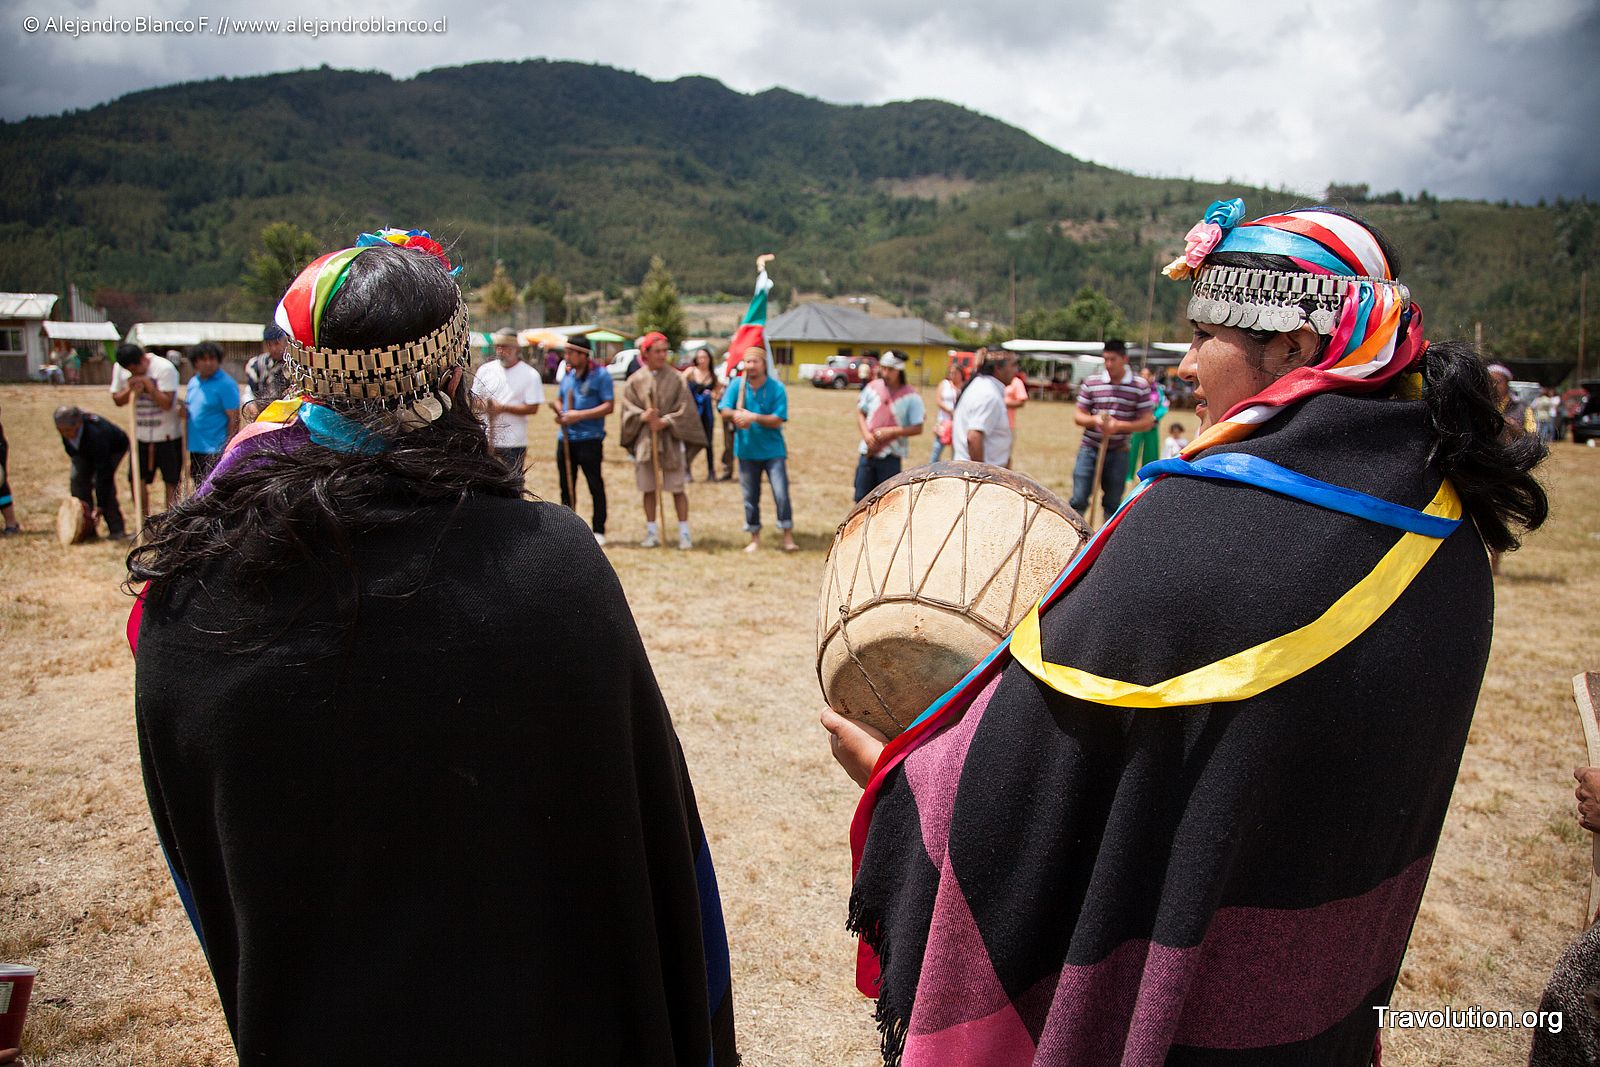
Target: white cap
x=892, y=360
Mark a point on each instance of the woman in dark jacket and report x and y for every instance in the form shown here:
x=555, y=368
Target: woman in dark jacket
x=1203, y=839
x=394, y=826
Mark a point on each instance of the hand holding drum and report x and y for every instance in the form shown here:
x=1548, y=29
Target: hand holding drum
x=926, y=575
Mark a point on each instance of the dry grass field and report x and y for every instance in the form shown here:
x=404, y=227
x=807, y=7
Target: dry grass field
x=84, y=893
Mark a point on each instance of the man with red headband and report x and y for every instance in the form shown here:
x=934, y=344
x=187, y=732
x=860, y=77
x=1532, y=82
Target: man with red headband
x=661, y=429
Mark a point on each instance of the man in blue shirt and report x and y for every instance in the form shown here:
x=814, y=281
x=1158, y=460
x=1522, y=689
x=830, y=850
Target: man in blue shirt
x=212, y=402
x=584, y=399
x=756, y=406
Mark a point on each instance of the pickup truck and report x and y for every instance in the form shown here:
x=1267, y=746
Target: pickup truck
x=841, y=371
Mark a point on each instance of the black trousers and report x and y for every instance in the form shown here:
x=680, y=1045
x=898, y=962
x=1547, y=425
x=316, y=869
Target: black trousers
x=585, y=457
x=96, y=485
x=709, y=423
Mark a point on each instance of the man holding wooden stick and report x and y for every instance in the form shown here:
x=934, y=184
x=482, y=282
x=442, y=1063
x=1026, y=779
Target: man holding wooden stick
x=662, y=430
x=150, y=383
x=584, y=399
x=1112, y=406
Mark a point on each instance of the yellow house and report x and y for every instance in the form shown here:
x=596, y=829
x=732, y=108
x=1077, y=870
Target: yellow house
x=811, y=333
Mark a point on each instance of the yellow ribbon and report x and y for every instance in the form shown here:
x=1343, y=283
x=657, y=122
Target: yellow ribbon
x=1254, y=670
x=281, y=410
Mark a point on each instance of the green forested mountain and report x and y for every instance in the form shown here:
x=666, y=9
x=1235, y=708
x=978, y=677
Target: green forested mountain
x=587, y=172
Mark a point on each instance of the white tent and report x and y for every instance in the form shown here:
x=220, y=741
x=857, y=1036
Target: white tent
x=81, y=331
x=185, y=334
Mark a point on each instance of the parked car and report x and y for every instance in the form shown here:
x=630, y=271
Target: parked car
x=841, y=371
x=1586, y=424
x=622, y=363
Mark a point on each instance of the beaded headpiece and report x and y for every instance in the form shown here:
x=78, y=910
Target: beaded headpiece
x=409, y=379
x=1344, y=291
x=1278, y=301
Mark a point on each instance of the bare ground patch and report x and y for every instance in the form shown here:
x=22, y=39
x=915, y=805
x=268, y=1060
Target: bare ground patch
x=85, y=894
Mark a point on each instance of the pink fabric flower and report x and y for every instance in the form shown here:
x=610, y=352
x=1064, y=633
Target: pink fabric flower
x=1200, y=240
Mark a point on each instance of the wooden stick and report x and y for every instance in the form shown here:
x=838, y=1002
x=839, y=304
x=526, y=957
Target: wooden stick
x=1586, y=694
x=138, y=455
x=185, y=474
x=1094, y=490
x=655, y=458
x=566, y=450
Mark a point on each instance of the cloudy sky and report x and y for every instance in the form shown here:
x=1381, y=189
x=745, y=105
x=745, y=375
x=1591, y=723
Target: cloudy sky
x=1467, y=98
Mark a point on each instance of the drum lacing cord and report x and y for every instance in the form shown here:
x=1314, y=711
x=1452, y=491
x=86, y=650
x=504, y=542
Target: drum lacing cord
x=844, y=632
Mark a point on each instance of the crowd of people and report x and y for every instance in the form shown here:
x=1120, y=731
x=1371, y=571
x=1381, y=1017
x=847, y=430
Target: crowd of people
x=1084, y=852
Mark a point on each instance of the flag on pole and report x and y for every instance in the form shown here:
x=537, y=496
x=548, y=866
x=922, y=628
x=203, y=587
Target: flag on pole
x=752, y=329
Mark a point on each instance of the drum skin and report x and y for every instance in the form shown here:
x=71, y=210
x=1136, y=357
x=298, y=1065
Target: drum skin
x=72, y=522
x=925, y=576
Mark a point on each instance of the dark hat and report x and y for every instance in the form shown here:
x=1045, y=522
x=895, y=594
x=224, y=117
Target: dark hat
x=274, y=332
x=581, y=342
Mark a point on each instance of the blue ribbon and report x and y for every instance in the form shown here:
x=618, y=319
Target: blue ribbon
x=332, y=430
x=1264, y=474
x=1268, y=241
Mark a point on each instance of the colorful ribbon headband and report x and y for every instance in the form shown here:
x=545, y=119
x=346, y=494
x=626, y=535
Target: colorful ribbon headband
x=300, y=311
x=1344, y=277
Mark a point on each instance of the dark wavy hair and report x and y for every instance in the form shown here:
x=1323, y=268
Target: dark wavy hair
x=1490, y=468
x=285, y=511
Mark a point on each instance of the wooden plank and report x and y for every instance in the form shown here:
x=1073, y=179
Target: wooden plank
x=1586, y=693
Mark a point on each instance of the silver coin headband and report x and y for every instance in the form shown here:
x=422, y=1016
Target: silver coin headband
x=1277, y=301
x=405, y=378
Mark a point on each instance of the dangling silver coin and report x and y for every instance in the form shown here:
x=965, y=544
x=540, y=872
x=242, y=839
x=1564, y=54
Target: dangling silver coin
x=428, y=408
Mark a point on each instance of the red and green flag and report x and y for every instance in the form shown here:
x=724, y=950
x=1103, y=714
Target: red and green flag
x=752, y=331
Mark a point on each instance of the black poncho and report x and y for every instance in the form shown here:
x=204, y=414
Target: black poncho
x=460, y=828
x=1050, y=880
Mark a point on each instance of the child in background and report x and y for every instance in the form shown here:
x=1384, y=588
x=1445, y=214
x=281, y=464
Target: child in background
x=1176, y=442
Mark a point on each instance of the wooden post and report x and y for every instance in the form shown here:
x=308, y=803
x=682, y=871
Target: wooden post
x=1586, y=692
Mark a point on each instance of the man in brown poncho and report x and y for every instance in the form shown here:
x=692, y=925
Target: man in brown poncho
x=662, y=431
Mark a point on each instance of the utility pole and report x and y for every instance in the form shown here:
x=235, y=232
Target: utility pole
x=1150, y=310
x=1013, y=295
x=1583, y=313
x=61, y=239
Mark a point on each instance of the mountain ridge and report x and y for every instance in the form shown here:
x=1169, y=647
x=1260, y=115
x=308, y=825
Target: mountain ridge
x=586, y=171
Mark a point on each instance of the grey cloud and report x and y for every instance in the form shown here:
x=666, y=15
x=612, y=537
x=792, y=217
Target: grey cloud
x=1483, y=98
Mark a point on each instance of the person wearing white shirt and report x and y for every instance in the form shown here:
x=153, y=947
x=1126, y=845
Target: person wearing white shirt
x=982, y=432
x=151, y=381
x=505, y=392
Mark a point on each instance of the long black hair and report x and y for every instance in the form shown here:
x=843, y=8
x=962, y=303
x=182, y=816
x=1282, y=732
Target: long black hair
x=282, y=511
x=1490, y=467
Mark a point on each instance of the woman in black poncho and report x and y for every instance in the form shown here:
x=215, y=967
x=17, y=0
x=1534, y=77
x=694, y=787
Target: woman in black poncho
x=407, y=807
x=1194, y=827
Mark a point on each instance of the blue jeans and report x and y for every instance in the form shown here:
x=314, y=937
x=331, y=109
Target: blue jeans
x=938, y=449
x=871, y=473
x=1112, y=477
x=750, y=481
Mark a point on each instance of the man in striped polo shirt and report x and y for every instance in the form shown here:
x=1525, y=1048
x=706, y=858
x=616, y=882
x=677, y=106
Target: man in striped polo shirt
x=1113, y=404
